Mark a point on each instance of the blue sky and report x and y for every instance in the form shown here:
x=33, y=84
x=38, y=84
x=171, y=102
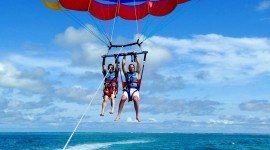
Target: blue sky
x=207, y=70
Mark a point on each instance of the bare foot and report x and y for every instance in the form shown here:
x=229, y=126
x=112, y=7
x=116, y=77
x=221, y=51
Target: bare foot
x=101, y=114
x=117, y=118
x=138, y=119
x=111, y=112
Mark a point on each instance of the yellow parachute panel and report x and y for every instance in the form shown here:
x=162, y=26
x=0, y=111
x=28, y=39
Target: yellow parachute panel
x=52, y=5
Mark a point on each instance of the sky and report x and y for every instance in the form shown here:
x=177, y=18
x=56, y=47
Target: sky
x=207, y=70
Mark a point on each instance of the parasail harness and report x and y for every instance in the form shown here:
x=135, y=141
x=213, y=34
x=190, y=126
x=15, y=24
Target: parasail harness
x=130, y=81
x=110, y=81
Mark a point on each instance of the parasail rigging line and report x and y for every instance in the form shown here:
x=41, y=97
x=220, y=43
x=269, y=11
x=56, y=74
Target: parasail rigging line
x=78, y=21
x=88, y=107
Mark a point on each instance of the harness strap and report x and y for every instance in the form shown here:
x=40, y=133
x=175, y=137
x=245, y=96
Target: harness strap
x=130, y=95
x=124, y=84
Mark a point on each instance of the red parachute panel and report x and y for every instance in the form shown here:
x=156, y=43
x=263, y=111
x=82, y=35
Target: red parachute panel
x=110, y=11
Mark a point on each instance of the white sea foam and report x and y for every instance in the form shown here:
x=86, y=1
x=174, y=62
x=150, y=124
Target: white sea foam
x=95, y=146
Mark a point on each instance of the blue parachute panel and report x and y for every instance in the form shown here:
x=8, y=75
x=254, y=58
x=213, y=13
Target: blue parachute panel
x=128, y=1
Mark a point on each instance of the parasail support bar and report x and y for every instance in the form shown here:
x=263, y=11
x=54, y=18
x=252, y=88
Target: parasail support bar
x=125, y=54
x=125, y=45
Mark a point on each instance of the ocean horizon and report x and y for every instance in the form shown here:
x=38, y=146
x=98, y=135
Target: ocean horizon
x=132, y=140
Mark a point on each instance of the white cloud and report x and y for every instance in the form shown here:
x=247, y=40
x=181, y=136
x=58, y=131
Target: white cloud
x=158, y=52
x=264, y=5
x=245, y=121
x=164, y=105
x=89, y=55
x=210, y=58
x=129, y=119
x=219, y=58
x=13, y=104
x=256, y=105
x=30, y=118
x=35, y=61
x=75, y=93
x=213, y=121
x=11, y=77
x=73, y=37
x=152, y=120
x=85, y=48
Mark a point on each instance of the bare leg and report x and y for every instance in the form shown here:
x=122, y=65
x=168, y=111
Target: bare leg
x=112, y=104
x=121, y=105
x=136, y=106
x=104, y=105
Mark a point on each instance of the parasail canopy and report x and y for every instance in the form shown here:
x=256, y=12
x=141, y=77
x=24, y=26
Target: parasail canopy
x=109, y=9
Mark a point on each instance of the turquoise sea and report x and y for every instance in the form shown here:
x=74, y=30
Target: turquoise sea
x=129, y=141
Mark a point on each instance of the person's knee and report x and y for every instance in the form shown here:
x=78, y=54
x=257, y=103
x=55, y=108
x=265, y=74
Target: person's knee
x=105, y=100
x=135, y=99
x=112, y=98
x=124, y=98
x=105, y=97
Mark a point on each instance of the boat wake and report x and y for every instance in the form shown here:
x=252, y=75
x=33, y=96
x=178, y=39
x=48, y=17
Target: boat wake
x=95, y=146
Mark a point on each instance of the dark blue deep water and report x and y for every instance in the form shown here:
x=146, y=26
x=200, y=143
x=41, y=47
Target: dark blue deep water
x=137, y=141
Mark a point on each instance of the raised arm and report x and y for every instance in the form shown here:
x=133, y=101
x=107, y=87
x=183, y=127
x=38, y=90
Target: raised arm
x=124, y=65
x=138, y=69
x=116, y=65
x=103, y=66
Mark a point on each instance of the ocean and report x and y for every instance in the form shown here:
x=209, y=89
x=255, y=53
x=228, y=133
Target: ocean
x=132, y=141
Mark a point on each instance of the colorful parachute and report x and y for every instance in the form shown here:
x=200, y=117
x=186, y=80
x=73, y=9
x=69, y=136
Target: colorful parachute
x=109, y=9
x=107, y=12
